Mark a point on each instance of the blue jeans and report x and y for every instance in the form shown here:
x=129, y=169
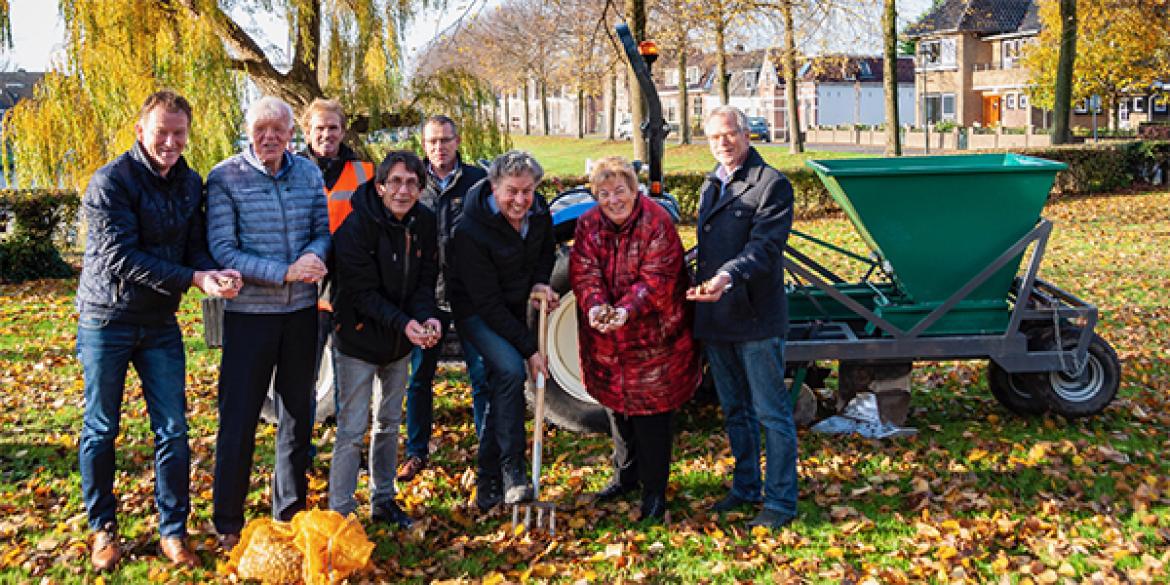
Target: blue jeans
x=106, y=350
x=356, y=392
x=420, y=396
x=749, y=379
x=501, y=440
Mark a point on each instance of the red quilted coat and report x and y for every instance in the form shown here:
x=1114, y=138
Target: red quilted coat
x=649, y=365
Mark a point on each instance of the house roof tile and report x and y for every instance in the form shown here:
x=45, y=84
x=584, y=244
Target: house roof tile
x=978, y=16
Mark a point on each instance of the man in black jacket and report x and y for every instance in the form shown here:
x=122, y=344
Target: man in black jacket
x=745, y=215
x=146, y=244
x=387, y=263
x=501, y=252
x=448, y=181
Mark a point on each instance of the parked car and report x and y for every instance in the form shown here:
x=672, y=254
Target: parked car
x=758, y=129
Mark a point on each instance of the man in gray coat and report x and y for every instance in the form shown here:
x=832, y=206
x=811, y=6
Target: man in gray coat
x=745, y=214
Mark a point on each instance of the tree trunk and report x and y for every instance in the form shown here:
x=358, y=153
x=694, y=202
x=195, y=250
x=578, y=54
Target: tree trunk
x=684, y=111
x=721, y=75
x=1064, y=71
x=610, y=122
x=544, y=106
x=580, y=112
x=890, y=75
x=636, y=16
x=795, y=138
x=507, y=112
x=527, y=120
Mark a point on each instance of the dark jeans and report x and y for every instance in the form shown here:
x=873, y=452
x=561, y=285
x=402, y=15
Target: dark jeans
x=749, y=379
x=106, y=350
x=420, y=395
x=253, y=346
x=501, y=441
x=641, y=450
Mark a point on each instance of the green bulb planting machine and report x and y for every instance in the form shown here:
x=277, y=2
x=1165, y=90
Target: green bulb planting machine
x=944, y=280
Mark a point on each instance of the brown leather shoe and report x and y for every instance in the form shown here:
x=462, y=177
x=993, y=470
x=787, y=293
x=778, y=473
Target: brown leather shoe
x=106, y=552
x=228, y=541
x=175, y=549
x=410, y=468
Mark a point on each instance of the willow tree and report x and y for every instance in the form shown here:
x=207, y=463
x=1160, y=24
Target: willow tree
x=116, y=53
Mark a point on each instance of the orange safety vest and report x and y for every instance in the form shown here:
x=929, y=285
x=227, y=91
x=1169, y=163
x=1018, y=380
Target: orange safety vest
x=355, y=173
x=338, y=198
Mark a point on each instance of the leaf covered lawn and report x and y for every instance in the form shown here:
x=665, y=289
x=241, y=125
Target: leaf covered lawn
x=980, y=495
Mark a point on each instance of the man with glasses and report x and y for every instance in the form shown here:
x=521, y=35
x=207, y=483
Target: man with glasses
x=448, y=180
x=387, y=264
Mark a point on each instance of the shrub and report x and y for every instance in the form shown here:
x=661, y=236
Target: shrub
x=1103, y=167
x=39, y=217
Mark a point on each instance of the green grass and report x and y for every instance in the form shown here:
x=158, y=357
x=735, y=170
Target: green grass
x=566, y=156
x=978, y=494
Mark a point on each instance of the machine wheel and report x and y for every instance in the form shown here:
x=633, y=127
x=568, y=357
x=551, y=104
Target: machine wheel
x=1011, y=390
x=566, y=402
x=1090, y=391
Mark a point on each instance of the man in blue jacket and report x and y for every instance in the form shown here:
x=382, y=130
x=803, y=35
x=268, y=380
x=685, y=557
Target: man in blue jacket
x=145, y=246
x=745, y=214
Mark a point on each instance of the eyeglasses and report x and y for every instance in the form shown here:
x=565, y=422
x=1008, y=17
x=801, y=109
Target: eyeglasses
x=394, y=184
x=436, y=140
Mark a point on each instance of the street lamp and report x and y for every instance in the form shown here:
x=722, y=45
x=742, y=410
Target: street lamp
x=927, y=53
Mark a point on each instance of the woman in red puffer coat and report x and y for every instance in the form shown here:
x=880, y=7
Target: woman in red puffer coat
x=638, y=358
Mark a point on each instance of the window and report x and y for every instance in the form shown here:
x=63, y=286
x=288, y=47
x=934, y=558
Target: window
x=692, y=75
x=1009, y=101
x=699, y=107
x=671, y=114
x=937, y=54
x=750, y=78
x=1139, y=104
x=1010, y=53
x=1123, y=110
x=671, y=77
x=939, y=107
x=1022, y=102
x=865, y=70
x=1159, y=103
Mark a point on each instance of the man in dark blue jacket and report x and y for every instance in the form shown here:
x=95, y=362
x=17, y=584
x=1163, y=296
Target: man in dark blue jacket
x=448, y=181
x=745, y=214
x=146, y=245
x=502, y=251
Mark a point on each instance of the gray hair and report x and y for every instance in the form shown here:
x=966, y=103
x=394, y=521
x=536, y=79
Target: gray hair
x=269, y=108
x=512, y=163
x=740, y=118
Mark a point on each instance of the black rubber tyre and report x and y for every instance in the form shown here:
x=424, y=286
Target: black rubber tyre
x=1083, y=395
x=566, y=403
x=1011, y=390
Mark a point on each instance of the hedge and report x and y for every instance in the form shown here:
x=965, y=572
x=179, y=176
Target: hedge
x=812, y=199
x=1092, y=168
x=37, y=215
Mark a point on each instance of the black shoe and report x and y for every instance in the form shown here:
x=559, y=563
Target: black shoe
x=489, y=492
x=771, y=519
x=613, y=491
x=653, y=508
x=731, y=502
x=390, y=513
x=517, y=487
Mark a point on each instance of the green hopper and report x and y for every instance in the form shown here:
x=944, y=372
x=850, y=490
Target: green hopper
x=946, y=236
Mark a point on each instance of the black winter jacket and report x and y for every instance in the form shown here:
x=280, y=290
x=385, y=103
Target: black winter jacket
x=492, y=269
x=146, y=236
x=448, y=206
x=745, y=233
x=386, y=277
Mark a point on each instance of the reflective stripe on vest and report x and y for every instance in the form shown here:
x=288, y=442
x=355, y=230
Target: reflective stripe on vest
x=355, y=173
